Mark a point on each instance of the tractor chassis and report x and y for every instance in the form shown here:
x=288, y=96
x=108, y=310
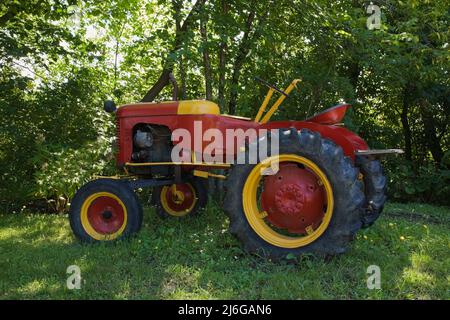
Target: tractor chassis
x=146, y=183
x=137, y=182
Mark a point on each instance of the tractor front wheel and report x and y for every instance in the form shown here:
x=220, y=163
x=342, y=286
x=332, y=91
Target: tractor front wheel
x=310, y=204
x=180, y=200
x=105, y=210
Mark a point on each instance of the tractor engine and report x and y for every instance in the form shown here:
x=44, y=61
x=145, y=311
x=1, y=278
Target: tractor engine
x=151, y=143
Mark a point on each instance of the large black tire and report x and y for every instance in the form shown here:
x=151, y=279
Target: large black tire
x=119, y=189
x=201, y=195
x=347, y=192
x=375, y=185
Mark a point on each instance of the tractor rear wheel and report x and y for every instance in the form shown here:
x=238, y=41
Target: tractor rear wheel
x=312, y=204
x=180, y=200
x=105, y=210
x=375, y=184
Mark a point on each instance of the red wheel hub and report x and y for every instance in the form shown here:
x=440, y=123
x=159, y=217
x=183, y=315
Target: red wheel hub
x=182, y=199
x=294, y=198
x=106, y=215
x=289, y=199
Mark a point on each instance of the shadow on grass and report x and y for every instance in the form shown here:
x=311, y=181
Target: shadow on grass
x=198, y=258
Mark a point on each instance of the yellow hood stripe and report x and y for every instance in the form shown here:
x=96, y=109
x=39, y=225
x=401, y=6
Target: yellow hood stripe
x=198, y=107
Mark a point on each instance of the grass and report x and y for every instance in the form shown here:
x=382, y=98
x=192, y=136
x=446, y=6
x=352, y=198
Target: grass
x=198, y=259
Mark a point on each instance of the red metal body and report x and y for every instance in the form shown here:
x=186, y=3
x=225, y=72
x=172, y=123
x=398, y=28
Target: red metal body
x=166, y=114
x=294, y=199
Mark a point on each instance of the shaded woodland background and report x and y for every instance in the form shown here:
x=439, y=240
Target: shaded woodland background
x=59, y=60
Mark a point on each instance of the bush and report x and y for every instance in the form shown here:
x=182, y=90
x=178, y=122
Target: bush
x=53, y=138
x=427, y=183
x=63, y=170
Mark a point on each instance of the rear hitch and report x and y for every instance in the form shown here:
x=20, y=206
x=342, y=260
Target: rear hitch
x=377, y=153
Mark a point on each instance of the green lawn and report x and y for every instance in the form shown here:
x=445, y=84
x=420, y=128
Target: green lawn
x=198, y=259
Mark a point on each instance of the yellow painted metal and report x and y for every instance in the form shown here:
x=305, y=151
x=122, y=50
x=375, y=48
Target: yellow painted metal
x=198, y=107
x=218, y=176
x=201, y=174
x=116, y=177
x=144, y=164
x=179, y=198
x=87, y=225
x=264, y=104
x=277, y=103
x=206, y=175
x=263, y=214
x=255, y=217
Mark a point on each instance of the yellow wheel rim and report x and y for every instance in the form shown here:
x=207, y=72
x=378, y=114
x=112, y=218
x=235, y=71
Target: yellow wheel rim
x=256, y=218
x=91, y=216
x=178, y=200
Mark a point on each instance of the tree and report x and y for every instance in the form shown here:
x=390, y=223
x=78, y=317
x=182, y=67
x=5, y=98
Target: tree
x=206, y=59
x=252, y=30
x=169, y=62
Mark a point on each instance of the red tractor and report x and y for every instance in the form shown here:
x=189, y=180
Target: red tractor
x=310, y=195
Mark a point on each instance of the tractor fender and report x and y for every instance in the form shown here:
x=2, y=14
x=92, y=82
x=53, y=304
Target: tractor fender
x=349, y=141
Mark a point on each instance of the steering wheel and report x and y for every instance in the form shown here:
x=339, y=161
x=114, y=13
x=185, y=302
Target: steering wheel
x=264, y=82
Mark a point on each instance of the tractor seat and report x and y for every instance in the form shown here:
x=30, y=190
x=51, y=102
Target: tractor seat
x=330, y=116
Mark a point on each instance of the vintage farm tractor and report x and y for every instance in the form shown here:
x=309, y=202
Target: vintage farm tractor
x=310, y=195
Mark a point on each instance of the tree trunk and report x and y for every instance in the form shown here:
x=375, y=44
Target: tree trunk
x=243, y=49
x=168, y=63
x=405, y=125
x=354, y=71
x=158, y=86
x=183, y=90
x=431, y=137
x=206, y=60
x=223, y=47
x=177, y=4
x=251, y=33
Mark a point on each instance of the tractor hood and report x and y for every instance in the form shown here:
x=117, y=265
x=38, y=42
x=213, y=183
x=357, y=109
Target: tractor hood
x=145, y=109
x=330, y=116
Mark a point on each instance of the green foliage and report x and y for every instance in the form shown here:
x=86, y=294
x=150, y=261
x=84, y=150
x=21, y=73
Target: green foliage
x=48, y=132
x=63, y=170
x=424, y=184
